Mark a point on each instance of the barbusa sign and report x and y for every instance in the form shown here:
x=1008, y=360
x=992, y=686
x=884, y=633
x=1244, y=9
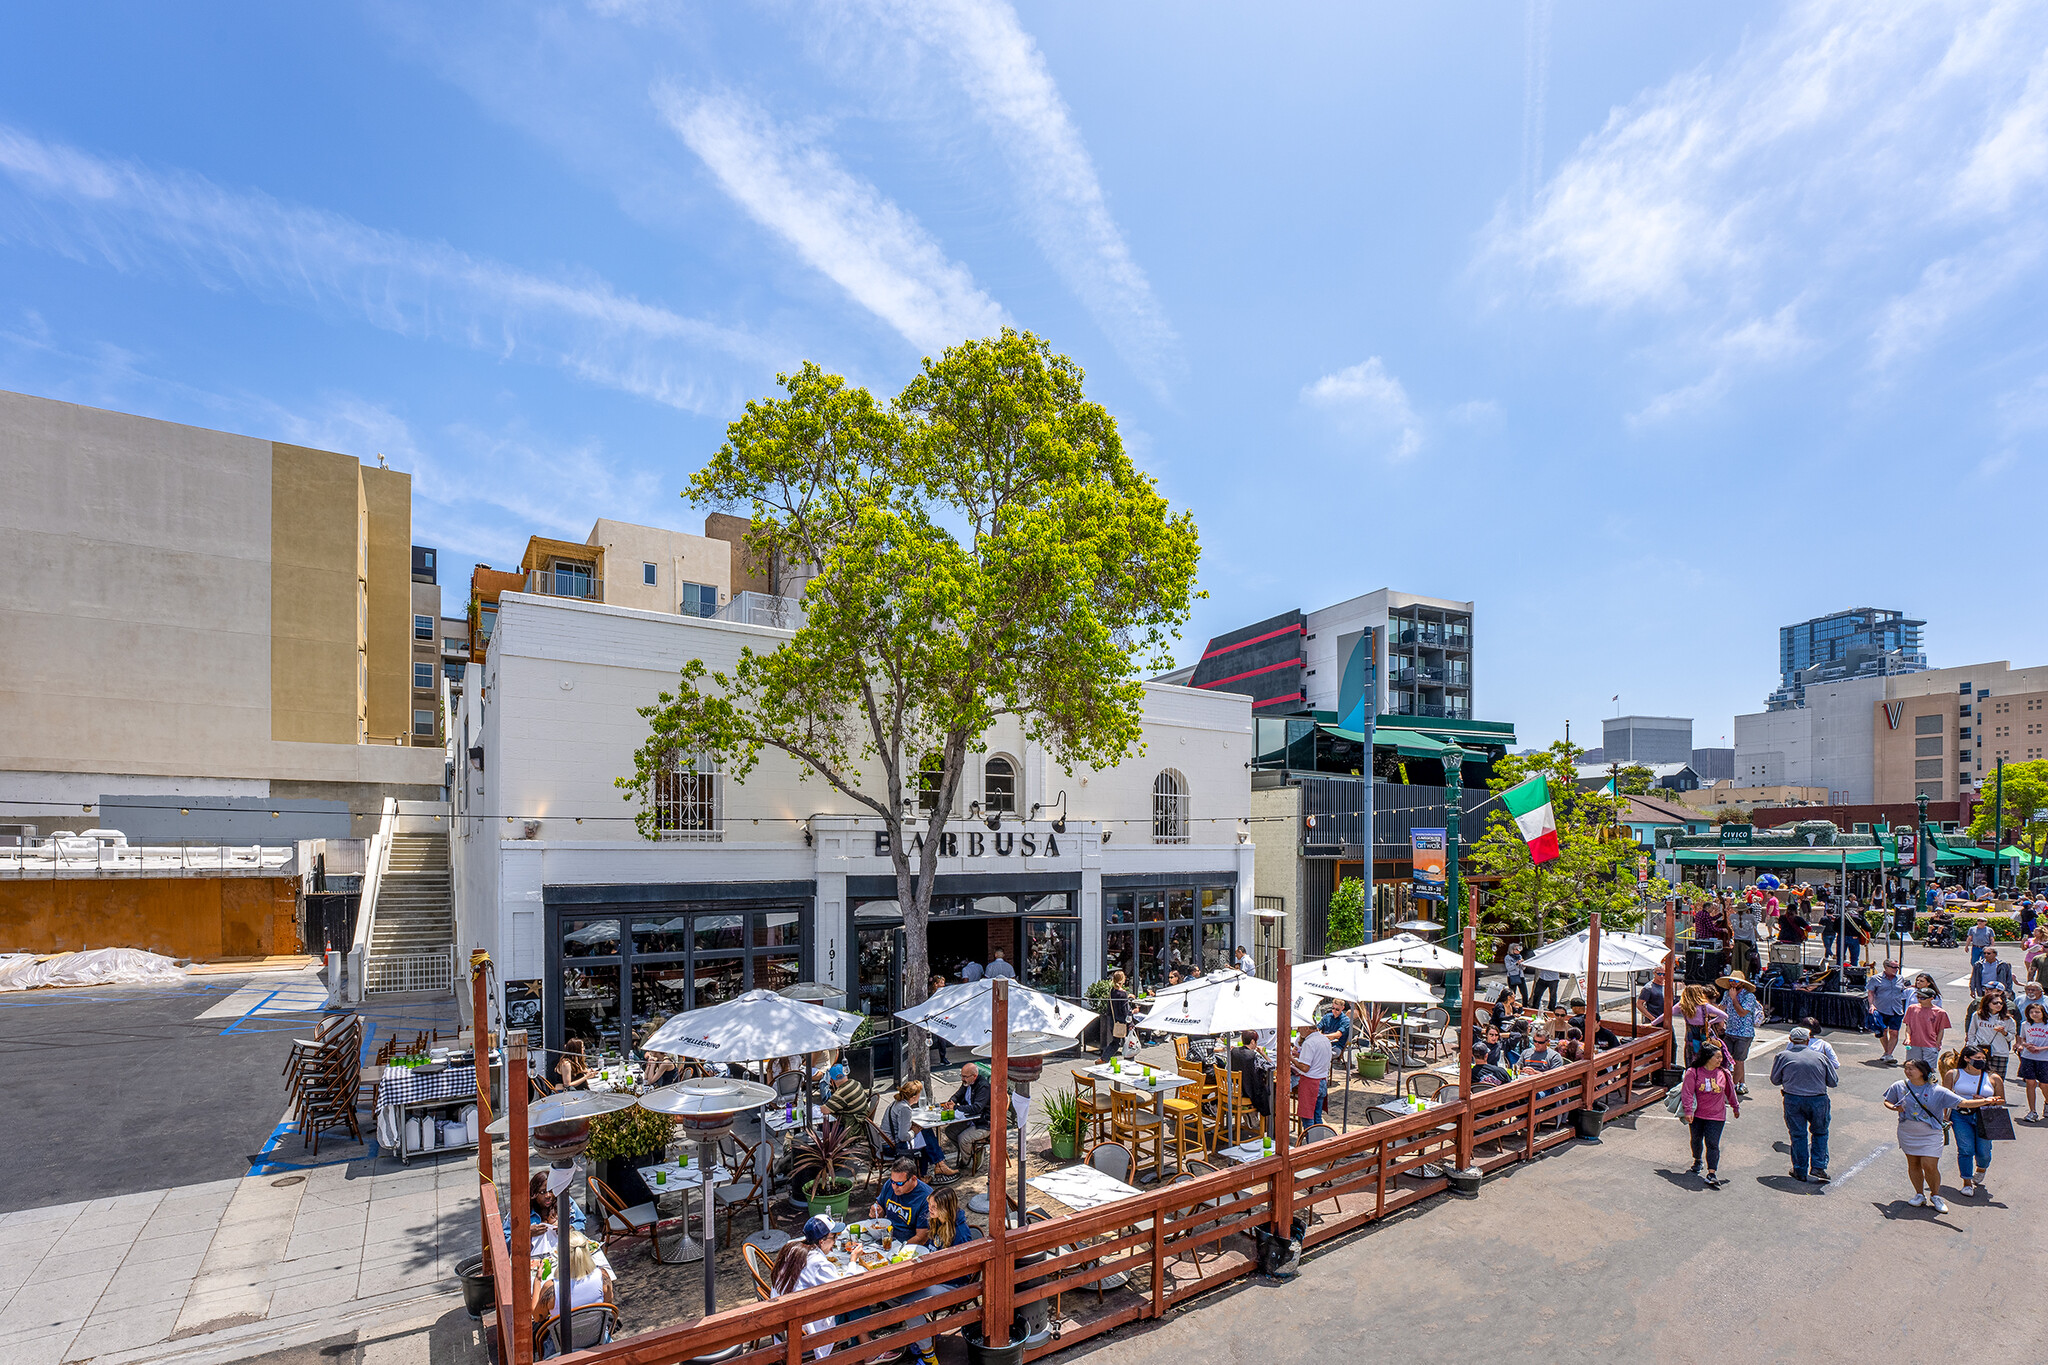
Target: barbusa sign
x=980, y=845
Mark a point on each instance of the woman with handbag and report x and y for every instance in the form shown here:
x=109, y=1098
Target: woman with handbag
x=1996, y=1027
x=1973, y=1079
x=1119, y=1015
x=1923, y=1105
x=1706, y=1101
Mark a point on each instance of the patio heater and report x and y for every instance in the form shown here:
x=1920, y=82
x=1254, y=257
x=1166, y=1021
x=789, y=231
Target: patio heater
x=1028, y=1051
x=814, y=993
x=705, y=1110
x=558, y=1128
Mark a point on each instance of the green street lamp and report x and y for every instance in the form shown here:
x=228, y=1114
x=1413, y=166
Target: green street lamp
x=1454, y=903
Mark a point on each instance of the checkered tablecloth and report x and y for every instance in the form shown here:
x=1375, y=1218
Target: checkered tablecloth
x=401, y=1086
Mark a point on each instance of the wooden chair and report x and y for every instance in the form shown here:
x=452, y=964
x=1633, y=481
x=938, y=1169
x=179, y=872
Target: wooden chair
x=1184, y=1120
x=1233, y=1106
x=1094, y=1109
x=590, y=1325
x=620, y=1223
x=1425, y=1084
x=1180, y=1047
x=1135, y=1125
x=878, y=1144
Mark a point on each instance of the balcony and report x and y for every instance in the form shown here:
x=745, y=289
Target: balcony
x=763, y=609
x=565, y=581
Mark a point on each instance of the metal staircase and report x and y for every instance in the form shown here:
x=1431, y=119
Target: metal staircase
x=412, y=937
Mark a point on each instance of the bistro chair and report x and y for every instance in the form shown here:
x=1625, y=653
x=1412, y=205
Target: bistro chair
x=762, y=1269
x=746, y=1164
x=878, y=1144
x=590, y=1325
x=1425, y=1085
x=1180, y=1047
x=1185, y=1124
x=620, y=1223
x=1232, y=1103
x=1134, y=1126
x=1093, y=1109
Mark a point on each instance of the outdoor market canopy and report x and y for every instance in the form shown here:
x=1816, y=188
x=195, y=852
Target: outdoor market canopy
x=1226, y=1001
x=1616, y=955
x=964, y=1015
x=1406, y=950
x=1822, y=858
x=754, y=1027
x=1362, y=979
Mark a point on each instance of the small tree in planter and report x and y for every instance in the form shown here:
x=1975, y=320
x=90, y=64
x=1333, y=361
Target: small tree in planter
x=1063, y=1124
x=623, y=1141
x=815, y=1162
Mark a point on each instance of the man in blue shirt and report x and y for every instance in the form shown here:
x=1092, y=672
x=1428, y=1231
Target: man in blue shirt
x=906, y=1203
x=997, y=967
x=1886, y=996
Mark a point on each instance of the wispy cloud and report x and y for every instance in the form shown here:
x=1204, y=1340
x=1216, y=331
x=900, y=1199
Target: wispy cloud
x=133, y=219
x=1012, y=91
x=1365, y=400
x=841, y=225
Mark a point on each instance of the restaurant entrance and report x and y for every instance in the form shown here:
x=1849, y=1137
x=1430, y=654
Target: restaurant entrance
x=1039, y=935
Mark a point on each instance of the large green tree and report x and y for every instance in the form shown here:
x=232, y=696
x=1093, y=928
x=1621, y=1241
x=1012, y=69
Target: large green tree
x=1596, y=864
x=2026, y=809
x=981, y=547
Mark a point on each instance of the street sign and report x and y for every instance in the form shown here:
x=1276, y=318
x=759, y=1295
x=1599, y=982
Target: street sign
x=1721, y=868
x=1736, y=836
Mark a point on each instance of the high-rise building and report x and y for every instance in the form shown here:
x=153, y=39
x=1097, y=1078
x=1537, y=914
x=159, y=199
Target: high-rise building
x=1861, y=642
x=1646, y=739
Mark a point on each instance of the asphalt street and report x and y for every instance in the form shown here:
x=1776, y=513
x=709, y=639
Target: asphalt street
x=118, y=1090
x=1613, y=1253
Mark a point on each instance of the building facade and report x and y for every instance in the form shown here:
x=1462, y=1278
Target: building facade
x=425, y=634
x=1858, y=643
x=1942, y=732
x=778, y=879
x=1646, y=739
x=196, y=613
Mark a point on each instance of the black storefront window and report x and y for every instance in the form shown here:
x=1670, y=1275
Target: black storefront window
x=1041, y=940
x=1151, y=931
x=646, y=964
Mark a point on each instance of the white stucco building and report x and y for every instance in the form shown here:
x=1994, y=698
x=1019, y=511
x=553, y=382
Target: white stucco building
x=781, y=879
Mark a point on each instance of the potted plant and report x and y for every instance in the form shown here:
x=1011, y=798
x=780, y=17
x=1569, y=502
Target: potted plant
x=1372, y=1063
x=815, y=1161
x=1063, y=1124
x=623, y=1141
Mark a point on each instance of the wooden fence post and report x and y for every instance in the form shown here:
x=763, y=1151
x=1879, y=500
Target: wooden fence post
x=480, y=1035
x=1283, y=1101
x=996, y=1290
x=1670, y=983
x=1588, y=1049
x=518, y=1351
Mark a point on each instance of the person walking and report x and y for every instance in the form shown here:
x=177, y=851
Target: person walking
x=1804, y=1075
x=1997, y=1028
x=1745, y=1012
x=1926, y=1022
x=1980, y=939
x=1706, y=1101
x=1971, y=1078
x=970, y=970
x=2034, y=1055
x=1546, y=980
x=1744, y=923
x=1885, y=997
x=1923, y=1105
x=1518, y=981
x=1698, y=1011
x=1987, y=973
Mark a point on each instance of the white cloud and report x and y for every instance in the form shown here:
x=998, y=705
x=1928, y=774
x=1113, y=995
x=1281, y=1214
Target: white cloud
x=1882, y=163
x=1364, y=399
x=1004, y=75
x=122, y=215
x=839, y=224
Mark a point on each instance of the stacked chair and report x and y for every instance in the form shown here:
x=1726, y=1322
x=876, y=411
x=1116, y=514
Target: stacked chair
x=323, y=1079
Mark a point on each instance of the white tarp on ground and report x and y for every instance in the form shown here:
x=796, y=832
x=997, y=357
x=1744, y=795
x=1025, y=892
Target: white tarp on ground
x=94, y=967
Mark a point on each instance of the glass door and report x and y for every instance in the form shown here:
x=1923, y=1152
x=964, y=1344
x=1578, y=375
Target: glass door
x=881, y=969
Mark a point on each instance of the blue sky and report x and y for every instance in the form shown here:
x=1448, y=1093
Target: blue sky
x=1648, y=329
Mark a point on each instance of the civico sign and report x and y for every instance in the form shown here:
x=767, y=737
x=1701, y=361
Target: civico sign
x=1736, y=836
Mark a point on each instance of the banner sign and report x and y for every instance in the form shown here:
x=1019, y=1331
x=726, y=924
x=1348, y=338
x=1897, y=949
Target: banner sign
x=1427, y=848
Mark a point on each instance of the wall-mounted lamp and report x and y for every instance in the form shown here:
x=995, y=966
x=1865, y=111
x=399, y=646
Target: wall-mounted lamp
x=1059, y=824
x=805, y=826
x=1244, y=831
x=1105, y=836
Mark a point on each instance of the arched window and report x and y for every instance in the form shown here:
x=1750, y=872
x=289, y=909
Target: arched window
x=999, y=785
x=689, y=798
x=930, y=781
x=1169, y=808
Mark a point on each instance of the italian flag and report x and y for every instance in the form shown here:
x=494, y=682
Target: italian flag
x=1529, y=803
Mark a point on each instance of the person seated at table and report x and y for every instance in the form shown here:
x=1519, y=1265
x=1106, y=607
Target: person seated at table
x=661, y=1069
x=589, y=1283
x=1486, y=1067
x=1335, y=1024
x=1603, y=1036
x=572, y=1065
x=1542, y=1056
x=541, y=1211
x=906, y=1139
x=1252, y=1075
x=851, y=1104
x=971, y=1105
x=1504, y=1007
x=1573, y=1046
x=806, y=1263
x=906, y=1203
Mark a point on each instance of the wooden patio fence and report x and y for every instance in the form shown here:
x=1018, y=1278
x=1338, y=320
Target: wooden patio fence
x=1342, y=1184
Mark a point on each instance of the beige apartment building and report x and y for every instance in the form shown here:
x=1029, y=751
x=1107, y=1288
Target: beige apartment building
x=200, y=613
x=1726, y=793
x=1944, y=730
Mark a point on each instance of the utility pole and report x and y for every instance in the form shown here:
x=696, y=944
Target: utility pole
x=1998, y=831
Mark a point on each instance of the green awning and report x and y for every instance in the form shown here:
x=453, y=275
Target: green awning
x=2011, y=851
x=1784, y=857
x=1406, y=743
x=1963, y=853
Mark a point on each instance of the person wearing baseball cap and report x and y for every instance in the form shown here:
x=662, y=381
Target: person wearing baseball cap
x=806, y=1263
x=1885, y=997
x=1804, y=1075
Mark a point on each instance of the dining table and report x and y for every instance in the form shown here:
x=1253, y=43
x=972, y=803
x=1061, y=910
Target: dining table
x=1159, y=1085
x=683, y=1176
x=1082, y=1187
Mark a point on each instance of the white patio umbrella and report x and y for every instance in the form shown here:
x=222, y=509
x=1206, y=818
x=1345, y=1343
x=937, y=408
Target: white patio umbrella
x=1568, y=954
x=964, y=1015
x=1370, y=981
x=1406, y=950
x=755, y=1026
x=1220, y=1002
x=604, y=931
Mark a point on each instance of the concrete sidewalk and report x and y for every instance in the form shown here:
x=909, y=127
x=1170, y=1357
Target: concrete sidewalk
x=144, y=1276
